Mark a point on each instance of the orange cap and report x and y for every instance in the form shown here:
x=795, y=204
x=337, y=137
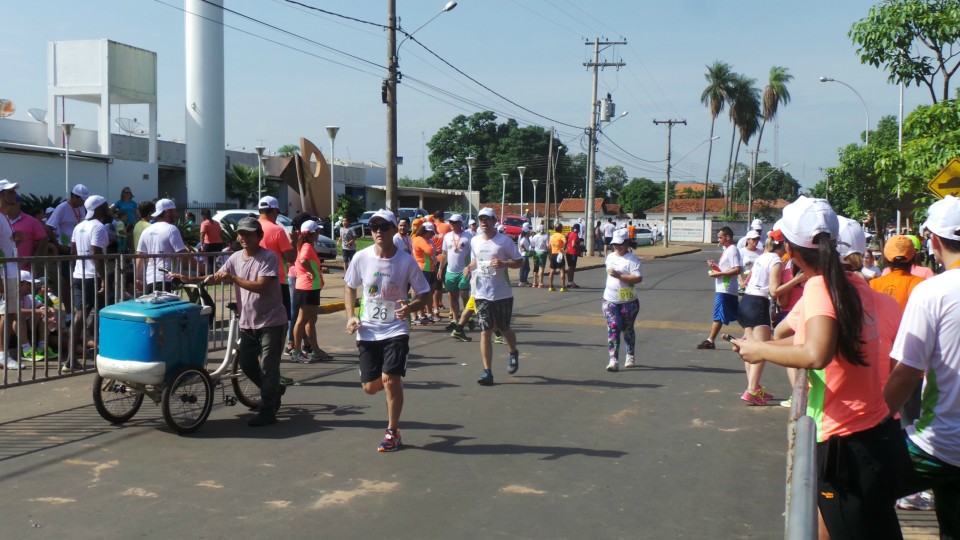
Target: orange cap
x=899, y=248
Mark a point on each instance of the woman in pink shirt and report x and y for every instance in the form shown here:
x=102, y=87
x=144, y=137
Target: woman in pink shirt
x=307, y=292
x=861, y=455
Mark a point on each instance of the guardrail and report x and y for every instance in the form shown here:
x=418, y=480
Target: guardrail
x=49, y=337
x=801, y=486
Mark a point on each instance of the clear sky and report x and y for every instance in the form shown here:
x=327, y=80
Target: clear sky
x=530, y=51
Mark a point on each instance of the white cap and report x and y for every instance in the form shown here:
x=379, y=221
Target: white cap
x=752, y=233
x=472, y=222
x=540, y=227
x=456, y=217
x=851, y=238
x=162, y=206
x=525, y=227
x=92, y=203
x=943, y=218
x=501, y=228
x=81, y=191
x=620, y=236
x=487, y=212
x=805, y=218
x=6, y=184
x=385, y=215
x=427, y=226
x=27, y=276
x=309, y=226
x=756, y=224
x=268, y=202
x=49, y=210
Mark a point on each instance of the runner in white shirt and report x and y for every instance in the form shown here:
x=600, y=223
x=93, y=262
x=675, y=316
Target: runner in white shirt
x=493, y=253
x=455, y=257
x=620, y=303
x=89, y=238
x=608, y=229
x=161, y=238
x=748, y=253
x=725, y=276
x=402, y=238
x=541, y=247
x=385, y=274
x=756, y=225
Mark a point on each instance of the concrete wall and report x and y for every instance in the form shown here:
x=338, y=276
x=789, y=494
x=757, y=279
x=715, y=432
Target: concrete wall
x=43, y=174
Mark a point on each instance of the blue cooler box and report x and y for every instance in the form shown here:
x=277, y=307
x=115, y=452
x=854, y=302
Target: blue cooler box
x=146, y=340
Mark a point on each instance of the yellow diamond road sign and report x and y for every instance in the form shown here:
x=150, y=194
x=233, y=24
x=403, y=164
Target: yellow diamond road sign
x=947, y=181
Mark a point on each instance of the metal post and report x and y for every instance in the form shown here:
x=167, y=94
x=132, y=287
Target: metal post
x=67, y=130
x=503, y=194
x=521, y=168
x=534, y=199
x=260, y=150
x=591, y=149
x=332, y=133
x=471, y=161
x=390, y=91
x=666, y=185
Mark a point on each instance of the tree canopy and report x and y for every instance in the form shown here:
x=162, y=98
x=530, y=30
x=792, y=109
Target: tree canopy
x=639, y=195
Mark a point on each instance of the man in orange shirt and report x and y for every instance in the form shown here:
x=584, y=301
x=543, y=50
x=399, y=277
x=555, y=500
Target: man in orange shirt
x=899, y=253
x=558, y=243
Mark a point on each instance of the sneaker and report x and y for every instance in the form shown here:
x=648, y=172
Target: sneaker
x=69, y=367
x=49, y=354
x=499, y=340
x=420, y=321
x=563, y=289
x=459, y=335
x=613, y=366
x=706, y=344
x=513, y=362
x=914, y=502
x=486, y=379
x=766, y=395
x=471, y=324
x=787, y=402
x=451, y=326
x=753, y=398
x=434, y=318
x=551, y=289
x=262, y=420
x=391, y=441
x=572, y=285
x=288, y=350
x=318, y=356
x=299, y=357
x=629, y=362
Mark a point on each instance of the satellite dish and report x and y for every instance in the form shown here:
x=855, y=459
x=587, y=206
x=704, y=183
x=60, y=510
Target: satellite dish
x=6, y=108
x=131, y=126
x=40, y=115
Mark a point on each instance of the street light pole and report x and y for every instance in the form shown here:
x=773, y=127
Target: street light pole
x=867, y=112
x=534, y=180
x=67, y=130
x=521, y=168
x=332, y=133
x=471, y=161
x=503, y=194
x=259, y=150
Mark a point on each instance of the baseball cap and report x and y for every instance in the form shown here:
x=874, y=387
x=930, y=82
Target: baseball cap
x=456, y=217
x=81, y=191
x=943, y=218
x=620, y=236
x=753, y=234
x=851, y=238
x=49, y=210
x=27, y=276
x=92, y=203
x=805, y=218
x=775, y=233
x=429, y=227
x=525, y=227
x=756, y=224
x=6, y=184
x=501, y=228
x=387, y=216
x=487, y=212
x=268, y=202
x=249, y=224
x=309, y=226
x=162, y=206
x=472, y=222
x=899, y=248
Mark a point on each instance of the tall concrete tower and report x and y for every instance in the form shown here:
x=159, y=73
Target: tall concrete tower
x=203, y=36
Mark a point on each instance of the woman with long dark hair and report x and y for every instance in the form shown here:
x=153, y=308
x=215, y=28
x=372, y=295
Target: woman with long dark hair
x=861, y=455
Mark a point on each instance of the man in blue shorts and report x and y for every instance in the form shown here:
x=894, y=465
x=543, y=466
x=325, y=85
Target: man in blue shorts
x=725, y=302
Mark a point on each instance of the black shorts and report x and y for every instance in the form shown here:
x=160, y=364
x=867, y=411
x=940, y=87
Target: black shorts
x=306, y=298
x=571, y=261
x=348, y=255
x=386, y=356
x=431, y=278
x=554, y=265
x=85, y=295
x=494, y=314
x=754, y=311
x=607, y=240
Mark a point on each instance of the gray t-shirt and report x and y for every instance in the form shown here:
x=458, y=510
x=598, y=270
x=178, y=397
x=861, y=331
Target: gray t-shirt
x=257, y=310
x=348, y=238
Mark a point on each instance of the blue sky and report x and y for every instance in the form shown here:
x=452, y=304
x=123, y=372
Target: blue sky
x=531, y=51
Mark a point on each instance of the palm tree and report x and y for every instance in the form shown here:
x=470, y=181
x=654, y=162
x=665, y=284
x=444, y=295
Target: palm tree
x=288, y=150
x=719, y=78
x=745, y=116
x=242, y=184
x=773, y=95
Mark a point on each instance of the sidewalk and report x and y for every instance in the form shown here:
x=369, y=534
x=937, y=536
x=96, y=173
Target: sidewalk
x=331, y=297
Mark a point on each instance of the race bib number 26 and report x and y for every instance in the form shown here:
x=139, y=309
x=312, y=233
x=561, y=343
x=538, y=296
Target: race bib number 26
x=379, y=311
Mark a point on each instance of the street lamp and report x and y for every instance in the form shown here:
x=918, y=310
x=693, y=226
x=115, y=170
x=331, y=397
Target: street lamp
x=389, y=94
x=867, y=132
x=521, y=168
x=503, y=194
x=259, y=150
x=471, y=161
x=534, y=181
x=67, y=130
x=752, y=185
x=332, y=133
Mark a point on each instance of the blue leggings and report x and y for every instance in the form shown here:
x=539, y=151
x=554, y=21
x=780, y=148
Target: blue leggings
x=620, y=319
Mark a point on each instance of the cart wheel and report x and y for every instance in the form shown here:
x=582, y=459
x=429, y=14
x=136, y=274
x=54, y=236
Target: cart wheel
x=116, y=402
x=187, y=400
x=246, y=392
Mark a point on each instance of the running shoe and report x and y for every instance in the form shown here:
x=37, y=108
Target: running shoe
x=513, y=362
x=288, y=350
x=766, y=395
x=914, y=502
x=319, y=356
x=434, y=318
x=459, y=335
x=753, y=398
x=551, y=289
x=299, y=357
x=391, y=441
x=613, y=366
x=563, y=289
x=451, y=326
x=706, y=344
x=629, y=362
x=787, y=402
x=572, y=285
x=486, y=378
x=421, y=321
x=69, y=367
x=499, y=339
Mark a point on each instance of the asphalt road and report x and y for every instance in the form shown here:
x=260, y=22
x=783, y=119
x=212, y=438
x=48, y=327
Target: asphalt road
x=563, y=449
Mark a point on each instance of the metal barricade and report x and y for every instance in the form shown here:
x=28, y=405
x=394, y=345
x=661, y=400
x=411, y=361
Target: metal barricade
x=50, y=337
x=801, y=485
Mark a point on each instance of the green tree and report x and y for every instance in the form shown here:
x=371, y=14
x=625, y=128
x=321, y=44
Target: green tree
x=717, y=93
x=242, y=184
x=914, y=41
x=406, y=181
x=774, y=94
x=640, y=195
x=614, y=178
x=744, y=114
x=349, y=207
x=288, y=150
x=770, y=183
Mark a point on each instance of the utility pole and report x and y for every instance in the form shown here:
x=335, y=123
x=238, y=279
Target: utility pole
x=389, y=92
x=753, y=174
x=666, y=185
x=592, y=132
x=551, y=173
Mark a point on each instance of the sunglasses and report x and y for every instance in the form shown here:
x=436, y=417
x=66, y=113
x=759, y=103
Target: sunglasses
x=381, y=227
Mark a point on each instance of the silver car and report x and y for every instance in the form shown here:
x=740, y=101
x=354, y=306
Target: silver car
x=644, y=237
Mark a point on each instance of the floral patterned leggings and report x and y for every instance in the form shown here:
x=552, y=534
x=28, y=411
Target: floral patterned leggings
x=620, y=319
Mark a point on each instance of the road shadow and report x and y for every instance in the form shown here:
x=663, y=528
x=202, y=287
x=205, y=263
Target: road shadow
x=689, y=368
x=543, y=380
x=452, y=445
x=378, y=424
x=407, y=384
x=524, y=343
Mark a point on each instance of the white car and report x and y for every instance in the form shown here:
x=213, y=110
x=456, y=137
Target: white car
x=644, y=237
x=326, y=248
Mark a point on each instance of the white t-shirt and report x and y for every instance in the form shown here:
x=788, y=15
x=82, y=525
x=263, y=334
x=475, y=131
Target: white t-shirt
x=159, y=238
x=730, y=259
x=759, y=282
x=523, y=244
x=492, y=282
x=742, y=243
x=63, y=219
x=618, y=291
x=88, y=234
x=8, y=248
x=929, y=340
x=403, y=243
x=608, y=229
x=540, y=242
x=456, y=250
x=384, y=282
x=870, y=272
x=747, y=259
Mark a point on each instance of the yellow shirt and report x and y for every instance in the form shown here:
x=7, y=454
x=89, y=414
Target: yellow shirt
x=557, y=242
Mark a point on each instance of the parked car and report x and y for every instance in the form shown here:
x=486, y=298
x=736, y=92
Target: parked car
x=644, y=237
x=411, y=213
x=513, y=224
x=326, y=249
x=364, y=223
